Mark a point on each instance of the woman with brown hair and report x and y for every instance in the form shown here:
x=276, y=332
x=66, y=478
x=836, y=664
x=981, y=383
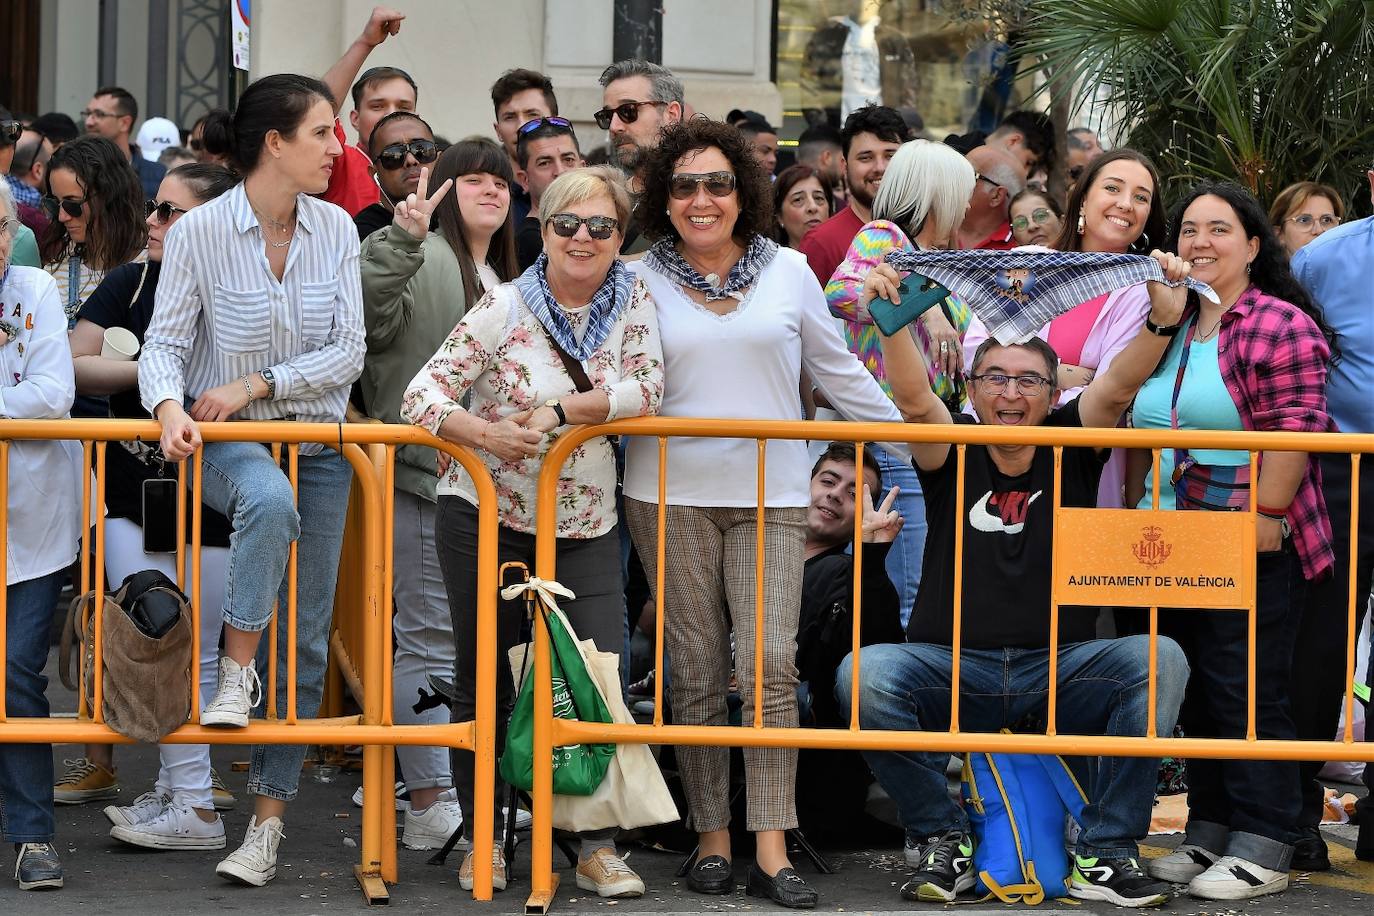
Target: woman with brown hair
x=1304, y=210
x=803, y=198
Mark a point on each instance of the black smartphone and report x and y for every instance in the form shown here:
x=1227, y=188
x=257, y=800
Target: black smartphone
x=160, y=515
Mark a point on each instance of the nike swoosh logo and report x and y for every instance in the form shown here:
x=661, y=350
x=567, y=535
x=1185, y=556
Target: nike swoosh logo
x=983, y=520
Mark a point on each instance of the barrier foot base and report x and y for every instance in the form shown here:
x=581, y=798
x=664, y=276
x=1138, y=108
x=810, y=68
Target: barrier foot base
x=373, y=887
x=539, y=902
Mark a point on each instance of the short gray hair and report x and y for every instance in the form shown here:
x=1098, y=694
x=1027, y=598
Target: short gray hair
x=925, y=181
x=578, y=185
x=664, y=86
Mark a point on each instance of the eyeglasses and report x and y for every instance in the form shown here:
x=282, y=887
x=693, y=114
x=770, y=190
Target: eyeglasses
x=1307, y=221
x=598, y=227
x=72, y=206
x=627, y=112
x=537, y=123
x=1039, y=215
x=683, y=185
x=97, y=114
x=1026, y=384
x=979, y=177
x=10, y=131
x=9, y=225
x=393, y=157
x=165, y=209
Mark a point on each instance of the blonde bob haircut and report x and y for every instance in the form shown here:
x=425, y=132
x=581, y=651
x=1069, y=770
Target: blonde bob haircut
x=925, y=183
x=580, y=185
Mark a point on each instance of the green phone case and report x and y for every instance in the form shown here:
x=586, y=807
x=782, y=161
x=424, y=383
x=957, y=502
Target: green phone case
x=918, y=294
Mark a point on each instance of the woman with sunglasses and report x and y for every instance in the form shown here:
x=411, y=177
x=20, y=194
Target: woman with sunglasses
x=95, y=205
x=401, y=144
x=1036, y=219
x=259, y=317
x=571, y=340
x=740, y=319
x=417, y=284
x=1303, y=211
x=43, y=533
x=179, y=813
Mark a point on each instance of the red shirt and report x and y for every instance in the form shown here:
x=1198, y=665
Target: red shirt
x=826, y=245
x=351, y=185
x=1000, y=240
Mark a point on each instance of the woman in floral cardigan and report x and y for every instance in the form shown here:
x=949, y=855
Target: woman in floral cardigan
x=572, y=340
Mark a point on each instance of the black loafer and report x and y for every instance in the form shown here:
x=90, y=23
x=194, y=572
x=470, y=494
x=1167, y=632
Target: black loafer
x=786, y=888
x=711, y=875
x=1310, y=852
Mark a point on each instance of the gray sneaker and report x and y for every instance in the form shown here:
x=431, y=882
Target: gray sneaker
x=37, y=867
x=146, y=807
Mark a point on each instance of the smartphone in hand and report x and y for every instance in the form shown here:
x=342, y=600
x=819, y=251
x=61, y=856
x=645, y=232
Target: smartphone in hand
x=918, y=294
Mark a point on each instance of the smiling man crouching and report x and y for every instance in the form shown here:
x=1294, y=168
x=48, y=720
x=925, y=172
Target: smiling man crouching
x=1008, y=548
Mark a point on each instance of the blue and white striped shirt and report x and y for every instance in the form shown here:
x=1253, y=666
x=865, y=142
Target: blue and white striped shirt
x=221, y=314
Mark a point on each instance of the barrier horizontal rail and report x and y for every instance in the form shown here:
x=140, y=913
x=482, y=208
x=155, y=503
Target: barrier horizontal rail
x=373, y=729
x=551, y=732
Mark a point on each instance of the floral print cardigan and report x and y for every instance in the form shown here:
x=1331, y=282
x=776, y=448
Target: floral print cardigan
x=501, y=355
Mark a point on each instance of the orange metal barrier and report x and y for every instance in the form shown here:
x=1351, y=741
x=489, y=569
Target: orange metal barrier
x=1226, y=539
x=362, y=620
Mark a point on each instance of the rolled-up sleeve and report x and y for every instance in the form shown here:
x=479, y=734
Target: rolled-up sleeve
x=171, y=336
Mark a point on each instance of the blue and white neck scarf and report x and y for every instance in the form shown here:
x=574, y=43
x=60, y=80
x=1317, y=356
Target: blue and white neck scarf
x=607, y=303
x=664, y=258
x=1016, y=293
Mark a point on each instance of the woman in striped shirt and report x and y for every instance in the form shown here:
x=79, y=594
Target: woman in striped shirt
x=259, y=317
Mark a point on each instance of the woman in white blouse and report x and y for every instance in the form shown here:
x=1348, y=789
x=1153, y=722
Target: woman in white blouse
x=571, y=340
x=41, y=540
x=740, y=319
x=258, y=316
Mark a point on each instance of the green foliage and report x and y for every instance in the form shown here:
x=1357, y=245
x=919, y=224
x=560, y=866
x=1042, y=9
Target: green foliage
x=1264, y=92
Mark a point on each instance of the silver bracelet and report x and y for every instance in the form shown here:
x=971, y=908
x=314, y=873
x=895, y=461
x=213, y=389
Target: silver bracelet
x=248, y=387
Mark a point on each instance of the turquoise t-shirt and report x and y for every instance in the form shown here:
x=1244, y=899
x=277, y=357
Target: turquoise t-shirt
x=1203, y=403
x=25, y=249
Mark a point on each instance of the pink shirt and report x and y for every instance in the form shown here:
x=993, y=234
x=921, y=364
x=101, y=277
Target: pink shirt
x=1069, y=332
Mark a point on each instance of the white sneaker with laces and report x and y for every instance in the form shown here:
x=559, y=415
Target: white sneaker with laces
x=146, y=807
x=1234, y=878
x=1182, y=865
x=431, y=828
x=177, y=827
x=255, y=862
x=239, y=690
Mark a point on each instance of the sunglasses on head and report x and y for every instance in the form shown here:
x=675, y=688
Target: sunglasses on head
x=1039, y=215
x=598, y=227
x=165, y=209
x=10, y=131
x=393, y=157
x=73, y=206
x=537, y=123
x=683, y=185
x=627, y=112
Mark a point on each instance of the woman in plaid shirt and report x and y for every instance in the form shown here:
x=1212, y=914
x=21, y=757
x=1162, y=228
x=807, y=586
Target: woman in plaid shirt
x=1256, y=361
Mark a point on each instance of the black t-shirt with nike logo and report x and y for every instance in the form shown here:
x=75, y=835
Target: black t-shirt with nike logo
x=1007, y=546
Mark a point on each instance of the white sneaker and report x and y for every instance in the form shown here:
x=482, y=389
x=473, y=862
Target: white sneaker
x=1233, y=878
x=432, y=829
x=1182, y=865
x=401, y=803
x=255, y=862
x=239, y=690
x=523, y=819
x=177, y=827
x=146, y=807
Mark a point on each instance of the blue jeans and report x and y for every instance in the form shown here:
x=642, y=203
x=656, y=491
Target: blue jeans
x=1103, y=690
x=26, y=814
x=246, y=485
x=904, y=558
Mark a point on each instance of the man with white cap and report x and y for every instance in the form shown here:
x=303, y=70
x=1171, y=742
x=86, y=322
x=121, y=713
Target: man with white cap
x=156, y=135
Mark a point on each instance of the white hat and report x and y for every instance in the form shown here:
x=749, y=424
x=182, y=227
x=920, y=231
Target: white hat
x=156, y=135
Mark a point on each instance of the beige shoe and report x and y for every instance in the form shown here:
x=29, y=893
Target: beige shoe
x=222, y=798
x=608, y=875
x=498, y=870
x=84, y=781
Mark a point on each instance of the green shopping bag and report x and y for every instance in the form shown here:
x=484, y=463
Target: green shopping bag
x=579, y=768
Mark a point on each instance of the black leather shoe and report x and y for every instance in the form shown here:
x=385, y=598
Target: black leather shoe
x=711, y=875
x=786, y=888
x=1309, y=852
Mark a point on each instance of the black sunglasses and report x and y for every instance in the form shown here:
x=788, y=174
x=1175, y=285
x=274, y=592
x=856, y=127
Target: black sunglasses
x=73, y=206
x=393, y=157
x=537, y=123
x=10, y=131
x=683, y=185
x=164, y=210
x=598, y=227
x=627, y=112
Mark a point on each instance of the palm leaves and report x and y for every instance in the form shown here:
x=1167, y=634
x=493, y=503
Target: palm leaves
x=1264, y=92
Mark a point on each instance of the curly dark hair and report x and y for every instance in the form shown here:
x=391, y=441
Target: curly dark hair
x=116, y=230
x=753, y=190
x=1269, y=271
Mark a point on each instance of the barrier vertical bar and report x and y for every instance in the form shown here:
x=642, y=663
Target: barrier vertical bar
x=1352, y=620
x=957, y=634
x=761, y=527
x=87, y=465
x=1253, y=635
x=1152, y=701
x=660, y=548
x=385, y=598
x=272, y=648
x=858, y=582
x=484, y=728
x=197, y=517
x=98, y=576
x=293, y=454
x=181, y=523
x=4, y=568
x=1052, y=700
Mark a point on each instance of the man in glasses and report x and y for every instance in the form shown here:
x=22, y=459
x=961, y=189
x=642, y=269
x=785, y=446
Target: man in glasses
x=25, y=177
x=1007, y=521
x=1000, y=178
x=111, y=113
x=402, y=144
x=519, y=97
x=544, y=149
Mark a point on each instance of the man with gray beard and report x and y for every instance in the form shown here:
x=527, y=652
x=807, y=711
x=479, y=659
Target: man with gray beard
x=639, y=99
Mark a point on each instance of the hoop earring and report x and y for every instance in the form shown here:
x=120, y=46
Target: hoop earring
x=1081, y=224
x=1142, y=243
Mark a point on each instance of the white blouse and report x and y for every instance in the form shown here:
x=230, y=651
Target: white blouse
x=747, y=365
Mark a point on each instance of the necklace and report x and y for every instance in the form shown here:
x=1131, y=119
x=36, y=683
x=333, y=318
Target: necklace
x=1204, y=337
x=288, y=227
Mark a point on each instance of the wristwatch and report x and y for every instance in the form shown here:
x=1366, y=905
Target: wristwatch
x=557, y=408
x=1161, y=330
x=271, y=381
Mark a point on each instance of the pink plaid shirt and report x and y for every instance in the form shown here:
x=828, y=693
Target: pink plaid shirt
x=1273, y=361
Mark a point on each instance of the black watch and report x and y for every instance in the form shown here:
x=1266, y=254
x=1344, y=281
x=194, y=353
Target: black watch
x=271, y=381
x=557, y=408
x=1162, y=330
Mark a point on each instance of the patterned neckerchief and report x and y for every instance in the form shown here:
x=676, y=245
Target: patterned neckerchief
x=607, y=303
x=665, y=259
